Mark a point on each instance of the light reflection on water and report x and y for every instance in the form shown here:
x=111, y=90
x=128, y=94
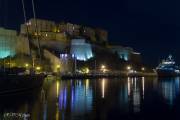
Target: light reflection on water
x=98, y=99
x=170, y=89
x=103, y=87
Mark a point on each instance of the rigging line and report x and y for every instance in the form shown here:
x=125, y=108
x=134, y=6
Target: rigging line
x=34, y=13
x=36, y=29
x=25, y=20
x=1, y=11
x=24, y=11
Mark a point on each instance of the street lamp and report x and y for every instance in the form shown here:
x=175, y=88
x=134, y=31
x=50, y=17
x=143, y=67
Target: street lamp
x=143, y=69
x=26, y=65
x=103, y=66
x=128, y=68
x=87, y=70
x=38, y=68
x=58, y=66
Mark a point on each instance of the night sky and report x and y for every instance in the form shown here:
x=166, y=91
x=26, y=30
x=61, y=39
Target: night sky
x=151, y=27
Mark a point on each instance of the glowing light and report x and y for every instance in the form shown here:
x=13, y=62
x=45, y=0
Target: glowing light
x=87, y=70
x=142, y=68
x=7, y=43
x=177, y=71
x=4, y=54
x=103, y=67
x=35, y=34
x=169, y=63
x=131, y=71
x=81, y=50
x=58, y=66
x=65, y=55
x=128, y=68
x=38, y=68
x=73, y=56
x=26, y=65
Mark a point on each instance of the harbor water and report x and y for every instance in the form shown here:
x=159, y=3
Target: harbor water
x=100, y=99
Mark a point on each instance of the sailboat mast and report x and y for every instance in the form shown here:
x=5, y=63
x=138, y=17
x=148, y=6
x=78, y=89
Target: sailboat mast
x=25, y=20
x=36, y=30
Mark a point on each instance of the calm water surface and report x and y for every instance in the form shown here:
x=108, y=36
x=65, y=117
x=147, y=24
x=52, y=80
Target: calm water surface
x=100, y=99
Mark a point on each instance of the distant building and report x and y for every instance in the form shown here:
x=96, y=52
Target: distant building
x=45, y=30
x=49, y=30
x=53, y=36
x=126, y=53
x=37, y=26
x=73, y=29
x=89, y=33
x=69, y=28
x=81, y=50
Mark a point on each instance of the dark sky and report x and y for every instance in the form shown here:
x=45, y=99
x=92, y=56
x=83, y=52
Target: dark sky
x=151, y=27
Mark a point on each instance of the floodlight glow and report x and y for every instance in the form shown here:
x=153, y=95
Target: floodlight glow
x=7, y=43
x=81, y=50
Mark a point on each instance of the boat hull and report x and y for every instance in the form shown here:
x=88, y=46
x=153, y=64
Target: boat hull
x=167, y=73
x=12, y=84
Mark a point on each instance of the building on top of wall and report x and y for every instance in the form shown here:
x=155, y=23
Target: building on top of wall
x=64, y=31
x=37, y=26
x=89, y=33
x=69, y=28
x=48, y=32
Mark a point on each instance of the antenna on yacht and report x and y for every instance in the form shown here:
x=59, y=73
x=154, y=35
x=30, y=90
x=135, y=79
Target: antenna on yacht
x=170, y=57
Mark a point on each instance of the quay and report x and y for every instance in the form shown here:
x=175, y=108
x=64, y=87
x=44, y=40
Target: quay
x=106, y=75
